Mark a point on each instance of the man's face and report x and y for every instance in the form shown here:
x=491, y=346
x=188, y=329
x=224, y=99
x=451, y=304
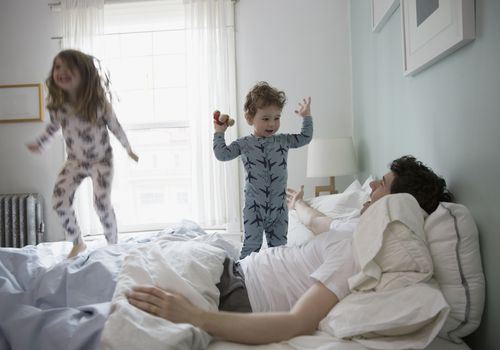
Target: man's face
x=379, y=188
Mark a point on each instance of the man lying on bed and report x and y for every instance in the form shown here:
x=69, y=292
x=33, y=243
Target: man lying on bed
x=291, y=289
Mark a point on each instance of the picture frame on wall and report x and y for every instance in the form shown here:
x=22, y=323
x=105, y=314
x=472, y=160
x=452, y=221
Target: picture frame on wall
x=433, y=29
x=21, y=103
x=381, y=12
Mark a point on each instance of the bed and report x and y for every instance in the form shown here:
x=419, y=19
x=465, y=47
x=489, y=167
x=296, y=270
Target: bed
x=49, y=302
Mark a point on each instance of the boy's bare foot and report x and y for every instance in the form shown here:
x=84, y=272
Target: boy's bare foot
x=77, y=249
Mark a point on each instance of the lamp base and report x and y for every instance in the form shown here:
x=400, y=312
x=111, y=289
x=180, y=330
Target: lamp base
x=330, y=188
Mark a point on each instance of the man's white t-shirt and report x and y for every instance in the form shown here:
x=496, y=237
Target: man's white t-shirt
x=277, y=277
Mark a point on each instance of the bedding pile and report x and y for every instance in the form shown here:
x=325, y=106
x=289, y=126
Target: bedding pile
x=54, y=303
x=191, y=268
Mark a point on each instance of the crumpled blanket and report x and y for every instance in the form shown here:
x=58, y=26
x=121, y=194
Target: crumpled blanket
x=48, y=302
x=191, y=268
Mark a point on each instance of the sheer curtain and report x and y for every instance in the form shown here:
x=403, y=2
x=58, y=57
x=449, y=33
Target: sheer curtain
x=82, y=24
x=211, y=86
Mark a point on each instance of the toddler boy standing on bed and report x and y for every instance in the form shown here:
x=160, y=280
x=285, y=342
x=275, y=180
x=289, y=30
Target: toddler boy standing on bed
x=264, y=155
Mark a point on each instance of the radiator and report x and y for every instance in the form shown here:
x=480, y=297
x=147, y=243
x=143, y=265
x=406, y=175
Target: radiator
x=21, y=220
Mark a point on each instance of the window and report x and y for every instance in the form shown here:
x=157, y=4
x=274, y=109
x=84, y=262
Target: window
x=162, y=104
x=145, y=53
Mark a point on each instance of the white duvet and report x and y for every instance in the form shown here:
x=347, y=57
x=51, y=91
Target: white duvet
x=189, y=267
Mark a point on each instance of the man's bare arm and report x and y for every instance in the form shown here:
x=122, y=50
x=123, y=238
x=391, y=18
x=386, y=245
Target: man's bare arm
x=313, y=219
x=247, y=328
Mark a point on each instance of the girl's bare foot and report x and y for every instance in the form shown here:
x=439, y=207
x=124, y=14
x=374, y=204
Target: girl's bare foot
x=77, y=249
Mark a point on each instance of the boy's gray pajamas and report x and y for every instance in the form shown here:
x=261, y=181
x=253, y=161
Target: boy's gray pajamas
x=265, y=163
x=89, y=154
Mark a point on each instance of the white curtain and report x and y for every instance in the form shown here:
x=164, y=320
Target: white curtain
x=211, y=86
x=82, y=24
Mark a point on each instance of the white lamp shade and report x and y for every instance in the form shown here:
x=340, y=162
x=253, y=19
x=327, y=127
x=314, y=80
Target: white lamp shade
x=331, y=157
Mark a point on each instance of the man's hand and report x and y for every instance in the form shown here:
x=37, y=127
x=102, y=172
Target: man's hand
x=158, y=302
x=304, y=108
x=292, y=196
x=365, y=206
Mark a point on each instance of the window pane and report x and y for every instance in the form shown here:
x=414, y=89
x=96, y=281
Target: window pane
x=136, y=73
x=135, y=107
x=170, y=105
x=169, y=42
x=169, y=71
x=143, y=16
x=112, y=48
x=145, y=52
x=157, y=190
x=137, y=44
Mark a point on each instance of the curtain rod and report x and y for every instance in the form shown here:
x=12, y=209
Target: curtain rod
x=56, y=5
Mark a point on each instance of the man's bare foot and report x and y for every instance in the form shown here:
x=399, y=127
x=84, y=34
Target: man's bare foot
x=77, y=249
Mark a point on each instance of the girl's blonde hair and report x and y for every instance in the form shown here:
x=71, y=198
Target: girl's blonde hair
x=94, y=91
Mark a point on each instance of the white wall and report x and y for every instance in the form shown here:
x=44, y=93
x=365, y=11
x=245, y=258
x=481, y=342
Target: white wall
x=303, y=48
x=26, y=53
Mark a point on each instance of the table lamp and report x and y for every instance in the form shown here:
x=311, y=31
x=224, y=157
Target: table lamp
x=330, y=157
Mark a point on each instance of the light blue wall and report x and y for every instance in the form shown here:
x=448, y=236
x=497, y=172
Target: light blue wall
x=448, y=116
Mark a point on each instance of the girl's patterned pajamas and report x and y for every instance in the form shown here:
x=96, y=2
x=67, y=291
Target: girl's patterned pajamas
x=89, y=154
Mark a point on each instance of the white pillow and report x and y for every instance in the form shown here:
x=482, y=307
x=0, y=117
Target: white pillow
x=403, y=318
x=341, y=205
x=366, y=185
x=298, y=233
x=453, y=241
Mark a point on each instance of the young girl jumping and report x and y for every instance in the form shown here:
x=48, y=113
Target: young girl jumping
x=79, y=101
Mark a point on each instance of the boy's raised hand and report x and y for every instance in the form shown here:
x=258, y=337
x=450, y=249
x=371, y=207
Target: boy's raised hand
x=220, y=128
x=304, y=108
x=221, y=121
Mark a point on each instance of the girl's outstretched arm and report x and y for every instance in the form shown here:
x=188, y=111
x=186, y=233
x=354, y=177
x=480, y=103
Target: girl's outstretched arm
x=48, y=133
x=117, y=130
x=134, y=156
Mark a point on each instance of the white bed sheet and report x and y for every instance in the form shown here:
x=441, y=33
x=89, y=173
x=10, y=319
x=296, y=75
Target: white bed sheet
x=322, y=343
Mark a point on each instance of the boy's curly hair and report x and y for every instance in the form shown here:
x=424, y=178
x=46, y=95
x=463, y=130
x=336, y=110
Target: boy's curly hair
x=94, y=92
x=263, y=95
x=413, y=177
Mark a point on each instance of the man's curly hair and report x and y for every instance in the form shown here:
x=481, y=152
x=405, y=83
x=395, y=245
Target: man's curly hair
x=263, y=95
x=413, y=177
